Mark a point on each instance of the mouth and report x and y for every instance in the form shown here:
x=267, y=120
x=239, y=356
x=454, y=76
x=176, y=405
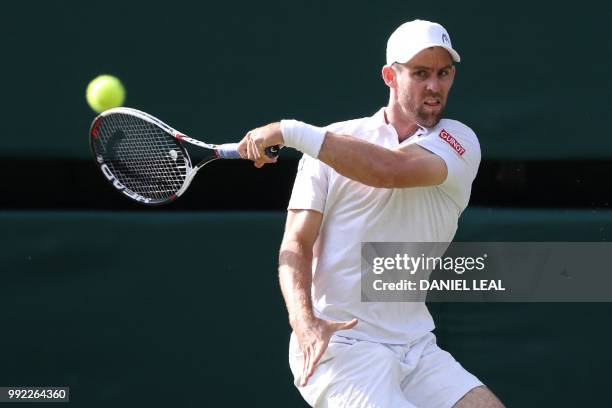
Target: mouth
x=433, y=102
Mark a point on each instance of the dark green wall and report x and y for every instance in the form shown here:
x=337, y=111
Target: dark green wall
x=184, y=309
x=533, y=84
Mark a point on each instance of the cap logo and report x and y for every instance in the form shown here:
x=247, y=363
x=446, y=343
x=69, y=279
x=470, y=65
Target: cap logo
x=444, y=135
x=445, y=39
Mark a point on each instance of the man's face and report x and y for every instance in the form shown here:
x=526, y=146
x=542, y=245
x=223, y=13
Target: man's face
x=423, y=84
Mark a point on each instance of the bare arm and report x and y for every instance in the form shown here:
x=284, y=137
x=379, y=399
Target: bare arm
x=367, y=163
x=295, y=262
x=377, y=166
x=295, y=275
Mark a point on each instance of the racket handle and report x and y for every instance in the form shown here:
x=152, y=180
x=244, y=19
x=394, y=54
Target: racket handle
x=230, y=151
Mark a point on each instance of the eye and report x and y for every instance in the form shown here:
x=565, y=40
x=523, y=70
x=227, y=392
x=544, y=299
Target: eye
x=445, y=72
x=420, y=73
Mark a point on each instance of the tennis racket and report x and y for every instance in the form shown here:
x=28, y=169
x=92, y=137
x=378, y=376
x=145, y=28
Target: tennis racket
x=145, y=159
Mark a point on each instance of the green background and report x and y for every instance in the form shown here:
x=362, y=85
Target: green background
x=533, y=83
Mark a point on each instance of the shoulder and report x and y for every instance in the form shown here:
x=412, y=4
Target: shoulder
x=458, y=129
x=458, y=136
x=351, y=127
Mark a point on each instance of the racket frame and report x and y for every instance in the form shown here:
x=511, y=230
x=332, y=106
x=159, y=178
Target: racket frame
x=190, y=170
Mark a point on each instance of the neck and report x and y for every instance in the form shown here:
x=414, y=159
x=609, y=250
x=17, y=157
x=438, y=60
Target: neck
x=404, y=126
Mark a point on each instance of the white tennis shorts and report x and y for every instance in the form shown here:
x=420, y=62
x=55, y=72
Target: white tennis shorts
x=358, y=374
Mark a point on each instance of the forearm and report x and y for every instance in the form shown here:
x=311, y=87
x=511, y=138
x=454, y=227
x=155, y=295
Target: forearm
x=359, y=160
x=295, y=276
x=367, y=163
x=352, y=157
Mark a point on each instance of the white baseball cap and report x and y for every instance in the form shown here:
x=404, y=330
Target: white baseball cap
x=414, y=36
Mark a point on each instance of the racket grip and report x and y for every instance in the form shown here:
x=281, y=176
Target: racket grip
x=230, y=151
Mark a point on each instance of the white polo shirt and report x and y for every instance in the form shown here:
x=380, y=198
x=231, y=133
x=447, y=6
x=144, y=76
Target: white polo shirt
x=355, y=213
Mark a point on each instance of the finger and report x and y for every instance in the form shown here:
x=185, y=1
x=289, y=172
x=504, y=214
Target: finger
x=306, y=362
x=344, y=325
x=310, y=368
x=242, y=150
x=248, y=148
x=242, y=146
x=315, y=359
x=255, y=149
x=305, y=368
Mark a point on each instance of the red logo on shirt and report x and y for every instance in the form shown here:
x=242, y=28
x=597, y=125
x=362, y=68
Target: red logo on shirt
x=452, y=142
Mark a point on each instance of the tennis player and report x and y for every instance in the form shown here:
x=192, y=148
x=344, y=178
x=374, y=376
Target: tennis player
x=401, y=175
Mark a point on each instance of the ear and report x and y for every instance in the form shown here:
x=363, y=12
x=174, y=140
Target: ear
x=388, y=75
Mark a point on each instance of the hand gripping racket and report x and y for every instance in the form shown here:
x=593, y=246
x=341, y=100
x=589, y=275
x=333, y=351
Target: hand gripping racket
x=145, y=159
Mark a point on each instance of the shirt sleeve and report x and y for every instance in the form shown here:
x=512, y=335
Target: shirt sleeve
x=460, y=150
x=310, y=186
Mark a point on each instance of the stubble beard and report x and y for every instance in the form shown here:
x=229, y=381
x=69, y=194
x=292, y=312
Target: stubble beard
x=421, y=116
x=429, y=119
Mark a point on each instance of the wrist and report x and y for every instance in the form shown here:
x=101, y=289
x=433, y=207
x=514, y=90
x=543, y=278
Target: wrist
x=301, y=136
x=304, y=318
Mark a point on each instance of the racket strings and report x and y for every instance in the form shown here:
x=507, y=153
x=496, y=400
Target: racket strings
x=143, y=157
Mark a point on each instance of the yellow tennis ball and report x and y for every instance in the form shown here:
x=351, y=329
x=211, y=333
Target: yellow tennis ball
x=105, y=92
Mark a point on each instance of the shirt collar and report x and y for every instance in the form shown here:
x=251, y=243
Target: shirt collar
x=379, y=120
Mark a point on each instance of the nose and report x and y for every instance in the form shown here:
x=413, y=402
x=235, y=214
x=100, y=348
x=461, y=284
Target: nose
x=433, y=84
